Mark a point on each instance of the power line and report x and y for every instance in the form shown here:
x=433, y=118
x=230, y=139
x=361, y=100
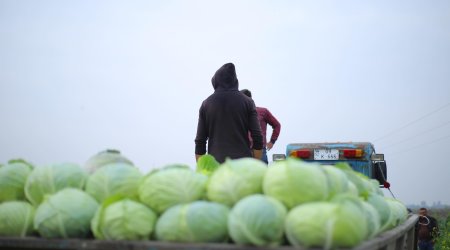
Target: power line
x=420, y=145
x=412, y=122
x=414, y=136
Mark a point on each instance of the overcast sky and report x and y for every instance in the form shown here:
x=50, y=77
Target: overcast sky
x=78, y=77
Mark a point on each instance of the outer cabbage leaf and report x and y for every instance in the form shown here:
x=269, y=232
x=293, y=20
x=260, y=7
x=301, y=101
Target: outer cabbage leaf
x=207, y=164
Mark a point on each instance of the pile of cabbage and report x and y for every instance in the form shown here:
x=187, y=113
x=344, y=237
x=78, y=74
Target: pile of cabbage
x=241, y=201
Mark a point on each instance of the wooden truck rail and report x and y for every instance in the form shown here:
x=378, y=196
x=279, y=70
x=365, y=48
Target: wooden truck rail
x=401, y=237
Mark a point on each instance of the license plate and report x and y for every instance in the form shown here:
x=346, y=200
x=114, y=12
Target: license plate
x=326, y=154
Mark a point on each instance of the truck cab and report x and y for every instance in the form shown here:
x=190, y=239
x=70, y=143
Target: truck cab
x=360, y=156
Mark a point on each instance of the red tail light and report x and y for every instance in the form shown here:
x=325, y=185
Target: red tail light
x=302, y=153
x=353, y=153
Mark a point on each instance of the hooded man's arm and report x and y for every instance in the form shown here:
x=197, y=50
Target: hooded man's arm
x=201, y=137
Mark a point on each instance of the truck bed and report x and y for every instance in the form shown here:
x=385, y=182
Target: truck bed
x=399, y=238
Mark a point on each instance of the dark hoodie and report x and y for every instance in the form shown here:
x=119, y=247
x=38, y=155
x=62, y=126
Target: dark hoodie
x=225, y=118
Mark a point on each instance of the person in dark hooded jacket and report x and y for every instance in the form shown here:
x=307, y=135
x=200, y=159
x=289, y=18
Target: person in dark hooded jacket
x=225, y=118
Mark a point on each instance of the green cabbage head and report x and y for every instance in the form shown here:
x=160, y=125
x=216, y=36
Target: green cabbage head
x=373, y=219
x=235, y=179
x=12, y=180
x=198, y=221
x=337, y=180
x=164, y=188
x=123, y=219
x=362, y=182
x=65, y=214
x=16, y=218
x=352, y=189
x=399, y=213
x=105, y=157
x=257, y=220
x=294, y=182
x=376, y=187
x=114, y=179
x=326, y=225
x=384, y=210
x=49, y=179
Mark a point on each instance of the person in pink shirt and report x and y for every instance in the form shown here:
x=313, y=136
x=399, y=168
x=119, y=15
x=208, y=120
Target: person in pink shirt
x=265, y=117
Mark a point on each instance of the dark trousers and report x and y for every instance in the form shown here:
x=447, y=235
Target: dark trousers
x=425, y=245
x=264, y=156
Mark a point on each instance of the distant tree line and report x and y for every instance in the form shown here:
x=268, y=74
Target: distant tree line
x=435, y=205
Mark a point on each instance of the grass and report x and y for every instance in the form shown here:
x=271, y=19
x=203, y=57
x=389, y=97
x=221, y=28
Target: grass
x=443, y=217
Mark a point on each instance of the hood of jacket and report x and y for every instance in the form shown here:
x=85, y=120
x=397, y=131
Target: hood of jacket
x=225, y=78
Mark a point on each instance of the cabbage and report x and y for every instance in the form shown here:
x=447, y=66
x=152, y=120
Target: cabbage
x=348, y=200
x=376, y=187
x=400, y=210
x=352, y=189
x=371, y=215
x=65, y=214
x=399, y=213
x=362, y=182
x=326, y=225
x=368, y=185
x=235, y=179
x=12, y=180
x=112, y=179
x=103, y=158
x=373, y=219
x=198, y=221
x=123, y=219
x=337, y=180
x=381, y=205
x=207, y=164
x=257, y=220
x=16, y=218
x=295, y=182
x=52, y=178
x=170, y=186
